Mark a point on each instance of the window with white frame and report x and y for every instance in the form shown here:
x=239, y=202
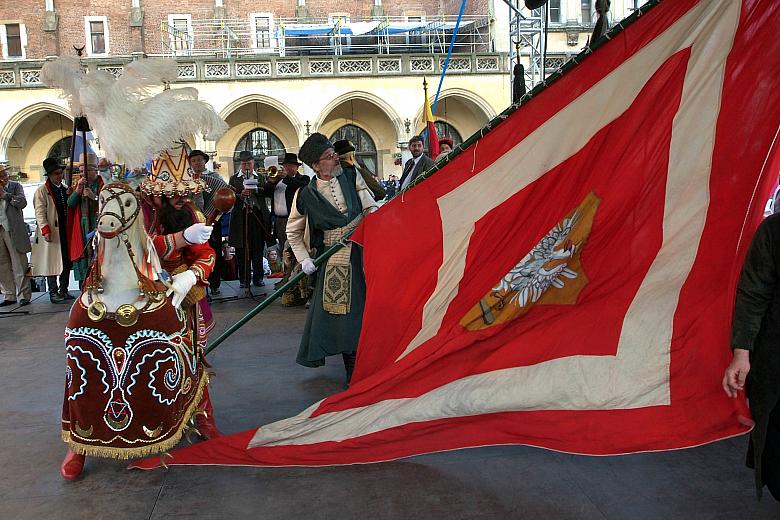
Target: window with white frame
x=14, y=40
x=415, y=37
x=96, y=31
x=342, y=18
x=555, y=11
x=180, y=32
x=262, y=30
x=587, y=12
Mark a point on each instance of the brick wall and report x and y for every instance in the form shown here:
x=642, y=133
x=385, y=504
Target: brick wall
x=124, y=39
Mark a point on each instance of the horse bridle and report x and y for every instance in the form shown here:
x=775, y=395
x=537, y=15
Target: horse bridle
x=116, y=190
x=127, y=314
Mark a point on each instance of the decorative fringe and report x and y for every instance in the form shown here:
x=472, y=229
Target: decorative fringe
x=144, y=451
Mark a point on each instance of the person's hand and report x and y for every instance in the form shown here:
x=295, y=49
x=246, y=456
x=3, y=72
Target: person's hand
x=736, y=372
x=246, y=192
x=308, y=266
x=47, y=237
x=180, y=286
x=198, y=233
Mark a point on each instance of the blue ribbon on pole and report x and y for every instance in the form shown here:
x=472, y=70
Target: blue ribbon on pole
x=449, y=54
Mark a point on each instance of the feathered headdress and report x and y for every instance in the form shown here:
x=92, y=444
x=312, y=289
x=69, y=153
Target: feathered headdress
x=134, y=119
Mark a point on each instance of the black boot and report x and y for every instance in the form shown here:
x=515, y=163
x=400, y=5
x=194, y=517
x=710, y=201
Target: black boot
x=349, y=364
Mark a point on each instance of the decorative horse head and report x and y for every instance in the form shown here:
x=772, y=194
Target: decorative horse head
x=134, y=267
x=119, y=209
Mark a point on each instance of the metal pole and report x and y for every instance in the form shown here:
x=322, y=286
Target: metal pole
x=274, y=295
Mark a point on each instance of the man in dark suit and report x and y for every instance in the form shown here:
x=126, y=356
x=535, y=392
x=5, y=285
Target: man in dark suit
x=281, y=189
x=250, y=223
x=14, y=243
x=418, y=164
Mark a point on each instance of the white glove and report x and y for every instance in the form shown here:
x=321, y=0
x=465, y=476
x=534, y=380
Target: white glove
x=198, y=233
x=181, y=285
x=308, y=266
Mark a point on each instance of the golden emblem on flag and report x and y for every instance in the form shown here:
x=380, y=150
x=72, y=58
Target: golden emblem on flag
x=550, y=274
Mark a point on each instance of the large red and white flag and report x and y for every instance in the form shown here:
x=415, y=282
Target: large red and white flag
x=569, y=277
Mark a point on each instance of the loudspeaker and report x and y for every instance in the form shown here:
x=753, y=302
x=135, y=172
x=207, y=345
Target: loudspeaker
x=534, y=4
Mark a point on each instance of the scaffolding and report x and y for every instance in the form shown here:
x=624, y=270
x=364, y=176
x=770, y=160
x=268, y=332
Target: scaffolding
x=527, y=42
x=226, y=38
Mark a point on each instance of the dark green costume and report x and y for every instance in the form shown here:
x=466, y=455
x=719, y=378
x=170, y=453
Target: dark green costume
x=327, y=334
x=756, y=328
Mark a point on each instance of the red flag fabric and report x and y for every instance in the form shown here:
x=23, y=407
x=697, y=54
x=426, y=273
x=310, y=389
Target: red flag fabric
x=572, y=274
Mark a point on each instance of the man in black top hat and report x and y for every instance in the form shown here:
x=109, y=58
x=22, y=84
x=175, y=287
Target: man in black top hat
x=330, y=205
x=250, y=221
x=51, y=254
x=281, y=188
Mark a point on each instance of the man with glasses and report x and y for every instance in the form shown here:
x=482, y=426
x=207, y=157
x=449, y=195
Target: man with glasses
x=329, y=206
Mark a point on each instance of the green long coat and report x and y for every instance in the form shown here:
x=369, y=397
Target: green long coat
x=328, y=334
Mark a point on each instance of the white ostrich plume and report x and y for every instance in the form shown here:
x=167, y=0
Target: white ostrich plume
x=134, y=119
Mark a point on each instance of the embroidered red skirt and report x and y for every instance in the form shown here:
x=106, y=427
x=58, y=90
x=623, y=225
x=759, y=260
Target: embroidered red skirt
x=129, y=391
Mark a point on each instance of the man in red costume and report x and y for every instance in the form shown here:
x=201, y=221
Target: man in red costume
x=181, y=240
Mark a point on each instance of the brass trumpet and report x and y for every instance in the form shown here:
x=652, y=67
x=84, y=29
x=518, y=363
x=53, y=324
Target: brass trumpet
x=272, y=172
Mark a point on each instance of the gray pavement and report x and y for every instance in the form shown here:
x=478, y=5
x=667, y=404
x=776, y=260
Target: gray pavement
x=259, y=382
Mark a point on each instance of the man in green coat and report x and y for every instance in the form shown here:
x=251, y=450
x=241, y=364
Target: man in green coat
x=330, y=205
x=755, y=340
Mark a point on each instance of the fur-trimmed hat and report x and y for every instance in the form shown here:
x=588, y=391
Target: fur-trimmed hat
x=313, y=148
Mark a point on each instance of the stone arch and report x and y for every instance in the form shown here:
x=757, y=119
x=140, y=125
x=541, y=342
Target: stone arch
x=28, y=135
x=371, y=114
x=463, y=109
x=373, y=99
x=19, y=118
x=252, y=111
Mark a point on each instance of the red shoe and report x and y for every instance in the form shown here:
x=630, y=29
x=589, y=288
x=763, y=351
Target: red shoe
x=206, y=424
x=207, y=428
x=72, y=465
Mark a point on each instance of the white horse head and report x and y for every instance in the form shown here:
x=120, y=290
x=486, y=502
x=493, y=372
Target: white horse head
x=119, y=210
x=125, y=252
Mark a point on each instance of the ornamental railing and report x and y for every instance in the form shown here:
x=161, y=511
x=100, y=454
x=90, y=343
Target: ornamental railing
x=286, y=37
